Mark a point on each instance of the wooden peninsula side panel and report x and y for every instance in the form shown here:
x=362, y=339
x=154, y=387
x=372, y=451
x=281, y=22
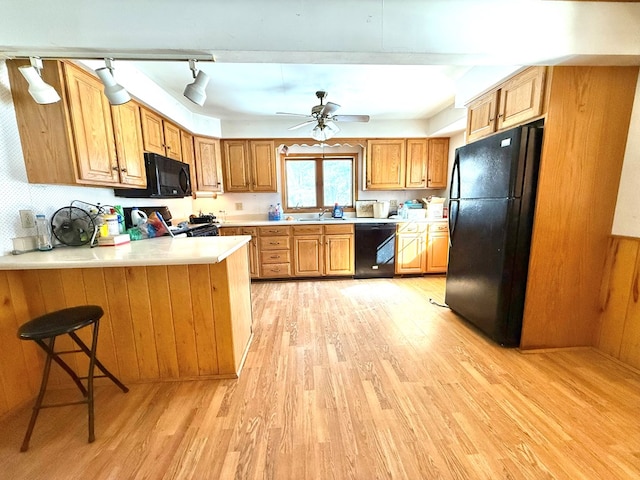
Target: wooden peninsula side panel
x=175, y=322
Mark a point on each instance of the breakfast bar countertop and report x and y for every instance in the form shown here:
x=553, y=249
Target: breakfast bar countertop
x=155, y=251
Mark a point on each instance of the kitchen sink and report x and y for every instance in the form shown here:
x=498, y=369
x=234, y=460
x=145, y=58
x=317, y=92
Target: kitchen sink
x=321, y=219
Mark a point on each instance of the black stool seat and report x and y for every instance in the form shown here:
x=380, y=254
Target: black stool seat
x=60, y=322
x=44, y=330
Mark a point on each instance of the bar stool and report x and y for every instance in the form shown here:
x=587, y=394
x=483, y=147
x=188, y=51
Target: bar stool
x=44, y=330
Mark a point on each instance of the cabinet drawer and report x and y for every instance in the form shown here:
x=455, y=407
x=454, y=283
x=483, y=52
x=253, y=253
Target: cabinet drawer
x=411, y=227
x=253, y=231
x=275, y=230
x=275, y=256
x=275, y=243
x=438, y=227
x=307, y=230
x=336, y=229
x=275, y=270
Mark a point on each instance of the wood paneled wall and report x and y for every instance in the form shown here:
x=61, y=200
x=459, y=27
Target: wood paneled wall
x=619, y=332
x=160, y=323
x=583, y=148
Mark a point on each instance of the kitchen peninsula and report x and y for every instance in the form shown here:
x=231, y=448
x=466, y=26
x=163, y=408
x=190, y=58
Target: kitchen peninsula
x=175, y=309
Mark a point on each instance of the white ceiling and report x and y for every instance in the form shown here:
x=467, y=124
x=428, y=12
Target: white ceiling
x=390, y=59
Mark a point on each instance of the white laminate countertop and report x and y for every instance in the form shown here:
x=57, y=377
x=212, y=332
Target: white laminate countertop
x=154, y=251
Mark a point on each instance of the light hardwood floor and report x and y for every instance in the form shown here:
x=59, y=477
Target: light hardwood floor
x=355, y=379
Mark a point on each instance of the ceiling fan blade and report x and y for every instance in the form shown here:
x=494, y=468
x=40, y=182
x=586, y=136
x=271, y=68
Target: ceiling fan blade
x=300, y=125
x=350, y=118
x=293, y=114
x=329, y=108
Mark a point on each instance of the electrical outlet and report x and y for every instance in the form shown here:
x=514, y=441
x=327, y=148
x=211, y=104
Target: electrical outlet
x=27, y=219
x=239, y=206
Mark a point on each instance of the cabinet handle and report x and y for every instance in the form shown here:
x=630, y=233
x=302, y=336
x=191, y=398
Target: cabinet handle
x=500, y=116
x=274, y=243
x=114, y=168
x=275, y=256
x=123, y=170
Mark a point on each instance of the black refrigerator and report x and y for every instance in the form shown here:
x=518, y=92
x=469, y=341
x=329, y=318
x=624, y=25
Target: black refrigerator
x=492, y=202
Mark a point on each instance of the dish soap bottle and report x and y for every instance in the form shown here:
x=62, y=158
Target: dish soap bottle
x=44, y=233
x=337, y=211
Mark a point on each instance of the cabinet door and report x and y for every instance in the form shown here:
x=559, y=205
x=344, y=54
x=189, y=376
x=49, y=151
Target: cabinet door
x=263, y=166
x=386, y=160
x=172, y=145
x=209, y=171
x=92, y=126
x=339, y=255
x=152, y=132
x=236, y=166
x=521, y=97
x=482, y=114
x=128, y=131
x=410, y=253
x=438, y=252
x=438, y=163
x=416, y=163
x=307, y=256
x=189, y=155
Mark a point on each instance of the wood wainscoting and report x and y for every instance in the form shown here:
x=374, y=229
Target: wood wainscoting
x=619, y=334
x=160, y=323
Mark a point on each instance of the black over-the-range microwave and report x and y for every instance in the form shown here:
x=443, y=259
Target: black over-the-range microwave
x=166, y=178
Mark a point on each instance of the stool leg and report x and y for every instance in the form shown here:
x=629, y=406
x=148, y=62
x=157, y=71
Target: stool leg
x=64, y=366
x=43, y=388
x=92, y=364
x=98, y=364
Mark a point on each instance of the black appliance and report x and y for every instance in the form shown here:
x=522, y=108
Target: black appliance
x=375, y=245
x=492, y=201
x=197, y=230
x=166, y=178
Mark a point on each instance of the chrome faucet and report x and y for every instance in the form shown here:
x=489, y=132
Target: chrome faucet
x=322, y=212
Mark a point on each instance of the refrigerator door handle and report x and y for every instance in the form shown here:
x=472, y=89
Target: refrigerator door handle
x=455, y=177
x=453, y=218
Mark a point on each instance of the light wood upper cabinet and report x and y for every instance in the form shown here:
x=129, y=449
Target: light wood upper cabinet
x=189, y=155
x=249, y=165
x=128, y=131
x=511, y=103
x=160, y=136
x=416, y=175
x=208, y=164
x=91, y=122
x=73, y=141
x=412, y=163
x=521, y=98
x=386, y=164
x=482, y=114
x=438, y=162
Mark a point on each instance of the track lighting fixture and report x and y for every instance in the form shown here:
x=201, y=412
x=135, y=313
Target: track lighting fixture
x=115, y=93
x=196, y=91
x=42, y=92
x=324, y=131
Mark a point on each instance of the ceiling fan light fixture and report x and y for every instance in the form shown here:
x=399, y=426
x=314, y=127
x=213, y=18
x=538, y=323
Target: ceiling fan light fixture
x=115, y=93
x=321, y=133
x=196, y=91
x=40, y=91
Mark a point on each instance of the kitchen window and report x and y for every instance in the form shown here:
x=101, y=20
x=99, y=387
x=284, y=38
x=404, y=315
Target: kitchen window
x=311, y=183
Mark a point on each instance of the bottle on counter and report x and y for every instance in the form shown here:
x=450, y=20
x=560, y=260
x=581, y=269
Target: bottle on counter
x=43, y=230
x=271, y=212
x=337, y=211
x=138, y=217
x=278, y=214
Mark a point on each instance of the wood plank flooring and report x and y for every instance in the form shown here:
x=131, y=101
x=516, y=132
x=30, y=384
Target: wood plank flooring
x=354, y=379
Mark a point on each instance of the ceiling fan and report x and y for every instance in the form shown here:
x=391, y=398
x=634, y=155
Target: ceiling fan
x=324, y=117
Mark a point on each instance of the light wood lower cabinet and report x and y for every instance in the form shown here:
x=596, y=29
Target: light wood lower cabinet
x=422, y=248
x=323, y=250
x=275, y=247
x=254, y=263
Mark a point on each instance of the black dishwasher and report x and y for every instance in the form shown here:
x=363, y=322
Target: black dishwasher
x=375, y=250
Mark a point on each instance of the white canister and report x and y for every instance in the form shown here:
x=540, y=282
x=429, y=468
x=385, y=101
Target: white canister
x=113, y=228
x=381, y=209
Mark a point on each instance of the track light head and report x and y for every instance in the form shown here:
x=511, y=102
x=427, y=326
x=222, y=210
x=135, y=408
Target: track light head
x=196, y=91
x=115, y=93
x=40, y=91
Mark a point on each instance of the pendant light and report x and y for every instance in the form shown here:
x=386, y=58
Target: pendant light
x=196, y=91
x=115, y=93
x=40, y=91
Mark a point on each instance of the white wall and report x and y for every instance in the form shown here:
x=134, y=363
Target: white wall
x=627, y=217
